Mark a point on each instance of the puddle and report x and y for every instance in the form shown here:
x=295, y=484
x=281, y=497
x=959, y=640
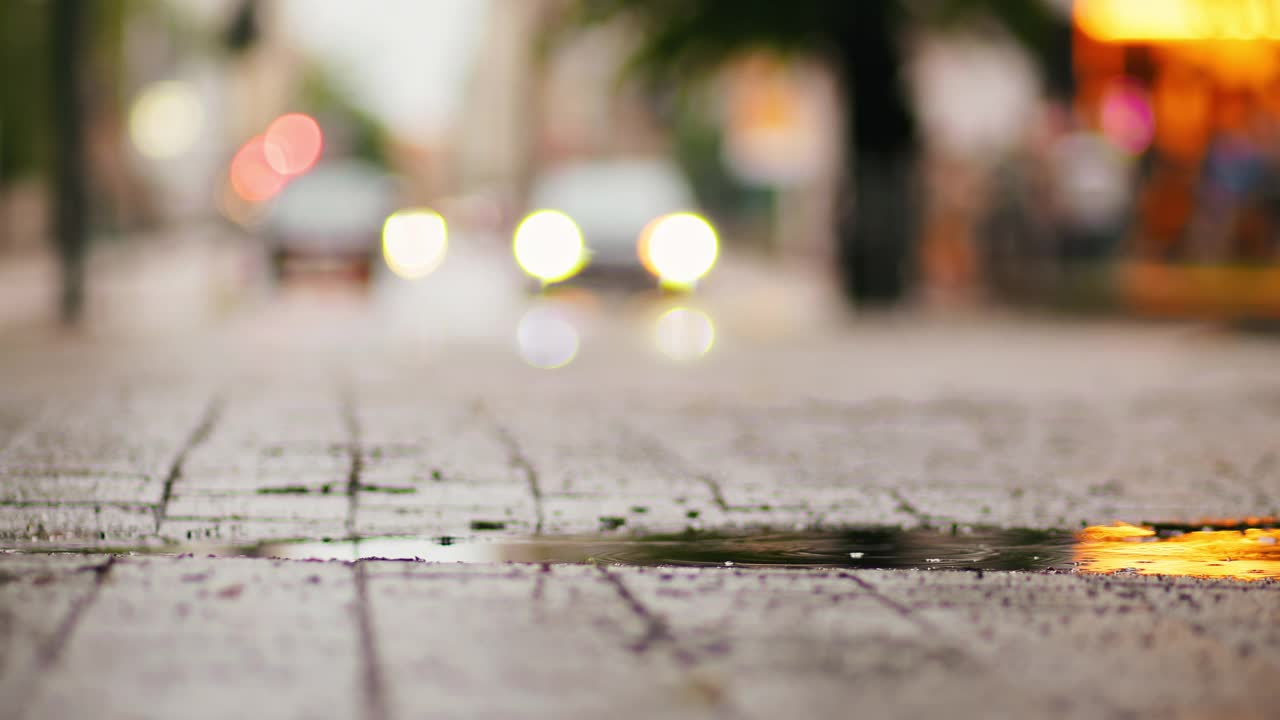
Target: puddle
x=1223, y=550
x=977, y=550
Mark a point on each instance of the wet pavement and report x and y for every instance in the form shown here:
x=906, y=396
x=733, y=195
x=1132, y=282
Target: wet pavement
x=577, y=523
x=199, y=637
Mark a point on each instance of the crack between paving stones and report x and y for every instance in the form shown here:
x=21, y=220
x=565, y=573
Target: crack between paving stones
x=372, y=683
x=656, y=631
x=213, y=411
x=663, y=454
x=904, y=505
x=717, y=495
x=356, y=452
x=906, y=613
x=49, y=653
x=520, y=461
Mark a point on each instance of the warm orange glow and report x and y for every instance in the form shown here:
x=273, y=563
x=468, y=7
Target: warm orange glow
x=1178, y=20
x=252, y=177
x=1248, y=554
x=293, y=143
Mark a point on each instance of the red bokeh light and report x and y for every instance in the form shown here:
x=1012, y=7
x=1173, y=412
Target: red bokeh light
x=1127, y=117
x=252, y=177
x=293, y=143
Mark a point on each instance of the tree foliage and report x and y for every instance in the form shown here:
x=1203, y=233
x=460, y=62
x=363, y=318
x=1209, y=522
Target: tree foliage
x=685, y=39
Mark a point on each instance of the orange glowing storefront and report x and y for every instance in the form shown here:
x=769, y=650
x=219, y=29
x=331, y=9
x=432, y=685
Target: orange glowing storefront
x=1191, y=89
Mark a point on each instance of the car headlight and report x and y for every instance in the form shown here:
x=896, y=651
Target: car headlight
x=679, y=248
x=414, y=242
x=548, y=245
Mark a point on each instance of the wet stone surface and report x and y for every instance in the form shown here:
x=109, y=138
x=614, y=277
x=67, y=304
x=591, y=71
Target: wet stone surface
x=767, y=454
x=205, y=637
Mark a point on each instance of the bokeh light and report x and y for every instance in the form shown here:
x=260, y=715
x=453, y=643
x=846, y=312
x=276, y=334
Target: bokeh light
x=548, y=245
x=547, y=338
x=1128, y=121
x=1175, y=20
x=293, y=143
x=684, y=334
x=252, y=177
x=238, y=210
x=414, y=242
x=679, y=249
x=166, y=119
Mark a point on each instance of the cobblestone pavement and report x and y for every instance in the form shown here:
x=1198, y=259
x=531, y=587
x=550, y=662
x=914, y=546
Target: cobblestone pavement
x=254, y=433
x=185, y=637
x=245, y=437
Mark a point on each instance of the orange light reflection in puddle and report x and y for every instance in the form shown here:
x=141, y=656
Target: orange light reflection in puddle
x=1247, y=554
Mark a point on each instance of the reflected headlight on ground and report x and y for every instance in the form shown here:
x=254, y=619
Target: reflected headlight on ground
x=548, y=245
x=684, y=334
x=414, y=242
x=547, y=338
x=679, y=249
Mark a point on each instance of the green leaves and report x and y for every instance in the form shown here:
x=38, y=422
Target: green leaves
x=683, y=40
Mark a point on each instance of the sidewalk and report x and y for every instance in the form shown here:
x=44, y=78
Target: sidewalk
x=280, y=430
x=163, y=638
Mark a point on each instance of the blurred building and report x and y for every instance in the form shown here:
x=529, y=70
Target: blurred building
x=1189, y=91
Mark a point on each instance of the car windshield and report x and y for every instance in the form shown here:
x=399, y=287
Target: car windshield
x=616, y=199
x=335, y=199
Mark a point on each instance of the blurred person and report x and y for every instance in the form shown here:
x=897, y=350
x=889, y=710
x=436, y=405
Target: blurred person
x=1233, y=176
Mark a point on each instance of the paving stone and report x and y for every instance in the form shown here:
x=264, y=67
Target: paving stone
x=54, y=487
x=247, y=531
x=166, y=638
x=465, y=643
x=407, y=639
x=76, y=525
x=38, y=599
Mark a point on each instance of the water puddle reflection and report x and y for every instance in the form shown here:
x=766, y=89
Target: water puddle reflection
x=1221, y=551
x=889, y=548
x=1226, y=549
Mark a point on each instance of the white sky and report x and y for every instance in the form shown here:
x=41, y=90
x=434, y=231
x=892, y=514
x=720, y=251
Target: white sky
x=407, y=61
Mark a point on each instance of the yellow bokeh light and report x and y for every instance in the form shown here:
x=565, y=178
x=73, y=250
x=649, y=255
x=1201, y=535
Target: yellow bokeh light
x=679, y=249
x=684, y=334
x=414, y=242
x=1175, y=20
x=548, y=245
x=547, y=338
x=166, y=119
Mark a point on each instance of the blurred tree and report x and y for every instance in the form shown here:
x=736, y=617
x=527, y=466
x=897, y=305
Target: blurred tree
x=683, y=40
x=67, y=30
x=58, y=61
x=24, y=89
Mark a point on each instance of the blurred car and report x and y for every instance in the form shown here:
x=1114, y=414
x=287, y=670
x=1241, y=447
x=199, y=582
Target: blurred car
x=614, y=221
x=328, y=222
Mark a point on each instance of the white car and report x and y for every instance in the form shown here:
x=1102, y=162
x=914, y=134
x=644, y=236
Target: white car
x=329, y=221
x=631, y=218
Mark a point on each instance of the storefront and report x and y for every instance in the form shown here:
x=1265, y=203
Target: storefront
x=1190, y=90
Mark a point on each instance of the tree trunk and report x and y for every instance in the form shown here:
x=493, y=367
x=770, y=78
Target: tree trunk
x=877, y=226
x=67, y=32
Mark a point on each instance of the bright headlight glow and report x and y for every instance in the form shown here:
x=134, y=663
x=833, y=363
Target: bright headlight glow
x=684, y=334
x=679, y=248
x=548, y=245
x=414, y=242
